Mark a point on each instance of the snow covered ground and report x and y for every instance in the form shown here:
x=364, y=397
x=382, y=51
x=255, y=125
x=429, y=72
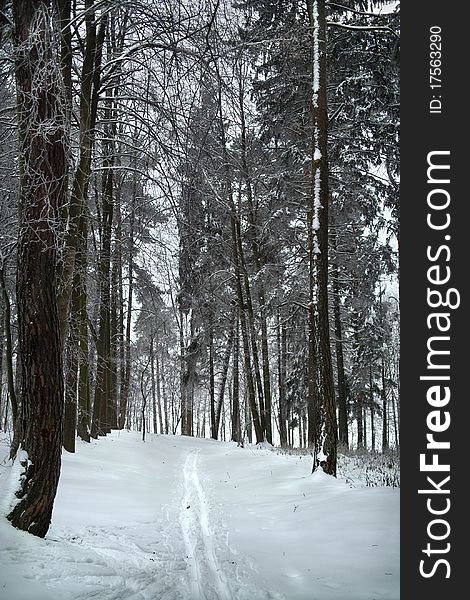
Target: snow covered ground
x=179, y=518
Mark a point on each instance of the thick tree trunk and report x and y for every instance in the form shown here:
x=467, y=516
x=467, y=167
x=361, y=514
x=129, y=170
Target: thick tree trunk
x=43, y=171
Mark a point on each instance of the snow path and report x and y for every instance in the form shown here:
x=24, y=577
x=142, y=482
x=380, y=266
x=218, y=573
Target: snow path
x=180, y=518
x=196, y=532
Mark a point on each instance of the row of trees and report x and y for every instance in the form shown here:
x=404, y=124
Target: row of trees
x=205, y=233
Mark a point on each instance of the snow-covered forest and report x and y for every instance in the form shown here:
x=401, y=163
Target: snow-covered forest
x=199, y=230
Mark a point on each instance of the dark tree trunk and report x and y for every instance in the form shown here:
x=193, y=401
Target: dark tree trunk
x=159, y=391
x=372, y=409
x=236, y=433
x=83, y=419
x=281, y=367
x=43, y=171
x=2, y=337
x=343, y=433
x=9, y=354
x=320, y=174
x=359, y=421
x=223, y=380
x=101, y=424
x=125, y=381
x=90, y=84
x=214, y=424
x=383, y=392
x=71, y=368
x=240, y=273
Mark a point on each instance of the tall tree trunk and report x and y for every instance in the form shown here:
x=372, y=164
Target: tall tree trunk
x=282, y=369
x=9, y=356
x=359, y=420
x=236, y=433
x=223, y=379
x=2, y=347
x=238, y=266
x=321, y=197
x=214, y=424
x=89, y=91
x=343, y=433
x=83, y=419
x=114, y=349
x=164, y=392
x=43, y=175
x=71, y=368
x=101, y=413
x=372, y=409
x=383, y=393
x=125, y=381
x=159, y=392
x=264, y=389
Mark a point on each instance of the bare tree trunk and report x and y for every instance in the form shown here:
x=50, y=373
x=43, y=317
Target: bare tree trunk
x=214, y=424
x=153, y=386
x=238, y=268
x=2, y=337
x=83, y=419
x=281, y=370
x=321, y=198
x=71, y=369
x=342, y=390
x=359, y=421
x=43, y=175
x=223, y=380
x=125, y=381
x=372, y=409
x=9, y=355
x=236, y=433
x=90, y=84
x=383, y=393
x=264, y=389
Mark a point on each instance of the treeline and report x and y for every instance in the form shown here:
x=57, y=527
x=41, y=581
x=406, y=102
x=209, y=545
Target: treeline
x=198, y=225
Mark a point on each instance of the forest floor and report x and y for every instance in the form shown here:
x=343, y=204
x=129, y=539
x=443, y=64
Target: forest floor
x=179, y=518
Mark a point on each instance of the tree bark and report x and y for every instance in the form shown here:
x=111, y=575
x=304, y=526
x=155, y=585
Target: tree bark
x=282, y=369
x=9, y=353
x=383, y=393
x=236, y=433
x=343, y=433
x=43, y=175
x=320, y=192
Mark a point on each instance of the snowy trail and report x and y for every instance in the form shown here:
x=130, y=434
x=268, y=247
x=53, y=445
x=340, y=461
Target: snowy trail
x=194, y=519
x=181, y=518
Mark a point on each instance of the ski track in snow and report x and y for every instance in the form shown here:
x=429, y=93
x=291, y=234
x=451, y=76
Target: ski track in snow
x=198, y=538
x=183, y=554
